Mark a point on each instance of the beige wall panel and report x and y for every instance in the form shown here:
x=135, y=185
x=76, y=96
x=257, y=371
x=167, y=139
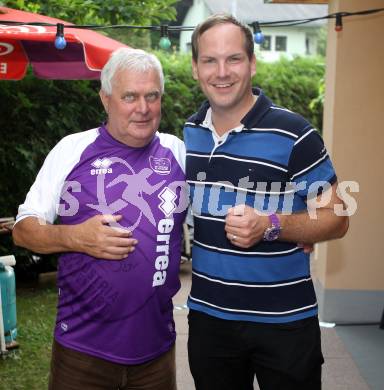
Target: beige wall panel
x=354, y=135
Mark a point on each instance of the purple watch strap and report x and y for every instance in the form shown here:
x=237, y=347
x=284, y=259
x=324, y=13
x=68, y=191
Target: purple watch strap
x=274, y=220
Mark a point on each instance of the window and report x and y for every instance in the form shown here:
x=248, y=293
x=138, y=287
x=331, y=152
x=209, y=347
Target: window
x=281, y=43
x=266, y=45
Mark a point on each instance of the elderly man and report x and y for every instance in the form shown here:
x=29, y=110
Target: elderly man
x=259, y=176
x=117, y=191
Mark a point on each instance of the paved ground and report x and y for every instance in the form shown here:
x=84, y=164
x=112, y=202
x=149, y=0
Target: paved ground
x=365, y=343
x=184, y=377
x=339, y=373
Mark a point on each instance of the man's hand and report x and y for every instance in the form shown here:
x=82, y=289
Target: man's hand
x=97, y=238
x=307, y=248
x=244, y=227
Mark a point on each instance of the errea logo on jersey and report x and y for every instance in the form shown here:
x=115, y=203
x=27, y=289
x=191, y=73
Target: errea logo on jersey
x=164, y=230
x=101, y=166
x=167, y=205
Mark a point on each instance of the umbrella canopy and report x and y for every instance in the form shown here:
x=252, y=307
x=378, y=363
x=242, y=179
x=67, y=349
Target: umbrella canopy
x=83, y=57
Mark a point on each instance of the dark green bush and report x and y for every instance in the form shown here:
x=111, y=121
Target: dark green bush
x=182, y=93
x=293, y=85
x=34, y=115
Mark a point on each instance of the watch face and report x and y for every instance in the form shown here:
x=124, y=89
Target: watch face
x=272, y=233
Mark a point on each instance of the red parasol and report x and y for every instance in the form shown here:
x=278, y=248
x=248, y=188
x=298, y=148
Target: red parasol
x=83, y=57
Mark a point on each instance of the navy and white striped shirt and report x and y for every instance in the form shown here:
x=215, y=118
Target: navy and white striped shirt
x=275, y=161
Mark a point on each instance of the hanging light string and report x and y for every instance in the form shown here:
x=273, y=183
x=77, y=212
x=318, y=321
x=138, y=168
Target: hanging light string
x=166, y=29
x=277, y=23
x=164, y=42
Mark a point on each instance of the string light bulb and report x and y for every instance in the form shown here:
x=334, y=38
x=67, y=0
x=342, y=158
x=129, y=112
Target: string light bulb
x=164, y=42
x=339, y=22
x=258, y=36
x=60, y=42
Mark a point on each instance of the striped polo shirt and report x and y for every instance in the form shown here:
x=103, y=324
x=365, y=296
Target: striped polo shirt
x=274, y=162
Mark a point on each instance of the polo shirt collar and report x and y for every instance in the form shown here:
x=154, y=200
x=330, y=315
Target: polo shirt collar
x=250, y=120
x=258, y=110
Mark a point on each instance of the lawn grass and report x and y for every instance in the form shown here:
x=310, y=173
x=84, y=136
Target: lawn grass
x=27, y=367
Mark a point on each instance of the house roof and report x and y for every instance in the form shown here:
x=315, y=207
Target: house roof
x=250, y=11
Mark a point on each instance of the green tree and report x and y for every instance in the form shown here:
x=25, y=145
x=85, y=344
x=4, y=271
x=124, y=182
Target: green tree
x=111, y=12
x=139, y=12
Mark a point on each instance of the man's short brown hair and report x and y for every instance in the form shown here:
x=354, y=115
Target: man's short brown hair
x=215, y=20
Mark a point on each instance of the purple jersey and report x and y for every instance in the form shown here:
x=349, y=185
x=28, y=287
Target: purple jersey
x=117, y=310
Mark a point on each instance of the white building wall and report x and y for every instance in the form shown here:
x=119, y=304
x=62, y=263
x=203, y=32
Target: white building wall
x=196, y=14
x=295, y=43
x=312, y=43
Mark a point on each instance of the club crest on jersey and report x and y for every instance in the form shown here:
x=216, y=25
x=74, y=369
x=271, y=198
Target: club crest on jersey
x=101, y=166
x=160, y=165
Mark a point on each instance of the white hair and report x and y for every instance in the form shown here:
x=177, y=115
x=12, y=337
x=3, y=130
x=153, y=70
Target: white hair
x=132, y=59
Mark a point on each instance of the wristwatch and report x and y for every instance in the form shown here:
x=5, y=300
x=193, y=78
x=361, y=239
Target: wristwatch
x=272, y=233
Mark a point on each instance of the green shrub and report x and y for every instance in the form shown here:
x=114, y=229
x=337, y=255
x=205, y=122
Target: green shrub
x=182, y=93
x=34, y=116
x=293, y=85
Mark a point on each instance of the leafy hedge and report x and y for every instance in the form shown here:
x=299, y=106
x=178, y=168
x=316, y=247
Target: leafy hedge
x=294, y=84
x=35, y=114
x=182, y=93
